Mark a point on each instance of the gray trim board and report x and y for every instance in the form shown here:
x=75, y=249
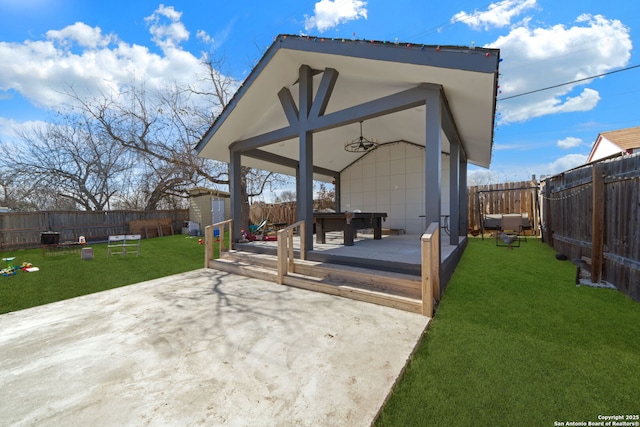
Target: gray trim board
x=281, y=160
x=440, y=56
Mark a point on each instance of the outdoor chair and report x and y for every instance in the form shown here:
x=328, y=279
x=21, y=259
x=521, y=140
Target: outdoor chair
x=132, y=242
x=115, y=245
x=510, y=231
x=120, y=244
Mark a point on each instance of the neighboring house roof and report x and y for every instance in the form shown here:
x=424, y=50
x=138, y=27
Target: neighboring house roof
x=615, y=142
x=366, y=71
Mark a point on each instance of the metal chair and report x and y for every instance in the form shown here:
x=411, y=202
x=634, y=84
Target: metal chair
x=115, y=245
x=510, y=231
x=132, y=241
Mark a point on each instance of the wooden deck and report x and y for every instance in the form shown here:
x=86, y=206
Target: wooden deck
x=395, y=253
x=386, y=272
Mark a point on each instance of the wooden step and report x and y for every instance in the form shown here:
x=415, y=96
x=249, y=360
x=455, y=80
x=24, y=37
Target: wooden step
x=400, y=291
x=413, y=305
x=258, y=259
x=385, y=281
x=396, y=283
x=244, y=269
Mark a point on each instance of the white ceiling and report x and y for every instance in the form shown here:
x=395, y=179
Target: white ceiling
x=256, y=108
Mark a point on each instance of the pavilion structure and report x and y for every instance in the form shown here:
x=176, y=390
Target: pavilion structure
x=427, y=112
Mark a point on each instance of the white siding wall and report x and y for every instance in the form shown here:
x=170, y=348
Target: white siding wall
x=391, y=179
x=606, y=148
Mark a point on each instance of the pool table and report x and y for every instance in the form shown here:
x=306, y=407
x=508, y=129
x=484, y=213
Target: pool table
x=348, y=223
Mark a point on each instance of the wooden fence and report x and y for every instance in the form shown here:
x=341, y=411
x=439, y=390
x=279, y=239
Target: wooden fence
x=275, y=213
x=23, y=229
x=594, y=211
x=505, y=198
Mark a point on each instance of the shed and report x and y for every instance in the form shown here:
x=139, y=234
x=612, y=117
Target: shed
x=208, y=206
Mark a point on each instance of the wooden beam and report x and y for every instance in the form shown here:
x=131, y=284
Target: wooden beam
x=393, y=103
x=597, y=223
x=324, y=92
x=289, y=106
x=285, y=161
x=378, y=107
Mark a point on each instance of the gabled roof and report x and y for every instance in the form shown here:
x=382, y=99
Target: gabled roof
x=366, y=71
x=626, y=140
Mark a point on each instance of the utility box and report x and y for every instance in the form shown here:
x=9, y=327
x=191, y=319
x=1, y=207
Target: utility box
x=191, y=228
x=86, y=253
x=49, y=238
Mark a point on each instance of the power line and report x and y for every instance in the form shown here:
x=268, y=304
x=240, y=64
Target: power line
x=568, y=83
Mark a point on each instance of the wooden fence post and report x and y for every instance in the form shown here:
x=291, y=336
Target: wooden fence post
x=546, y=211
x=597, y=223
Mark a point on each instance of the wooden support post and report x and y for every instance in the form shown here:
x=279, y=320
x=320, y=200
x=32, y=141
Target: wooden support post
x=597, y=223
x=291, y=253
x=220, y=239
x=282, y=255
x=303, y=246
x=427, y=286
x=435, y=265
x=430, y=249
x=208, y=245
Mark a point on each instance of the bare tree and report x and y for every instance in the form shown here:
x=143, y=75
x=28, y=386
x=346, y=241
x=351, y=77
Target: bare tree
x=16, y=195
x=132, y=149
x=66, y=165
x=162, y=127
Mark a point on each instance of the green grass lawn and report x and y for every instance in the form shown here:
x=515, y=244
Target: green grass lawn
x=515, y=342
x=66, y=275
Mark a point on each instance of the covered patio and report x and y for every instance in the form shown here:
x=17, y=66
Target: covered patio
x=424, y=113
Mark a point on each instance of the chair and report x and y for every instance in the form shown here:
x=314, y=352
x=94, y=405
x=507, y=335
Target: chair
x=132, y=241
x=510, y=231
x=115, y=245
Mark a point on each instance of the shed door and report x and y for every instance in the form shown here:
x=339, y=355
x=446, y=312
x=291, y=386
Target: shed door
x=217, y=210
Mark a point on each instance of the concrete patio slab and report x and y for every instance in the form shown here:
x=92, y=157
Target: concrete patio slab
x=202, y=348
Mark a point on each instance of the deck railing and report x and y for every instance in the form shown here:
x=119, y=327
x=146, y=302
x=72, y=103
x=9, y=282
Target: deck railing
x=285, y=248
x=209, y=239
x=430, y=250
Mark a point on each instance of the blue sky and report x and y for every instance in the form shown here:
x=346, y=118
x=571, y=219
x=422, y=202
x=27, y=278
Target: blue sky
x=49, y=45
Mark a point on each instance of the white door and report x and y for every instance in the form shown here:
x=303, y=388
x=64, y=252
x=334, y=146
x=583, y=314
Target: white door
x=217, y=210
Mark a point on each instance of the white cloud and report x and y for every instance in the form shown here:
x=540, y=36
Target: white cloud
x=42, y=71
x=524, y=172
x=497, y=15
x=564, y=163
x=82, y=34
x=569, y=142
x=482, y=177
x=516, y=146
x=330, y=13
x=205, y=37
x=167, y=35
x=9, y=130
x=537, y=58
